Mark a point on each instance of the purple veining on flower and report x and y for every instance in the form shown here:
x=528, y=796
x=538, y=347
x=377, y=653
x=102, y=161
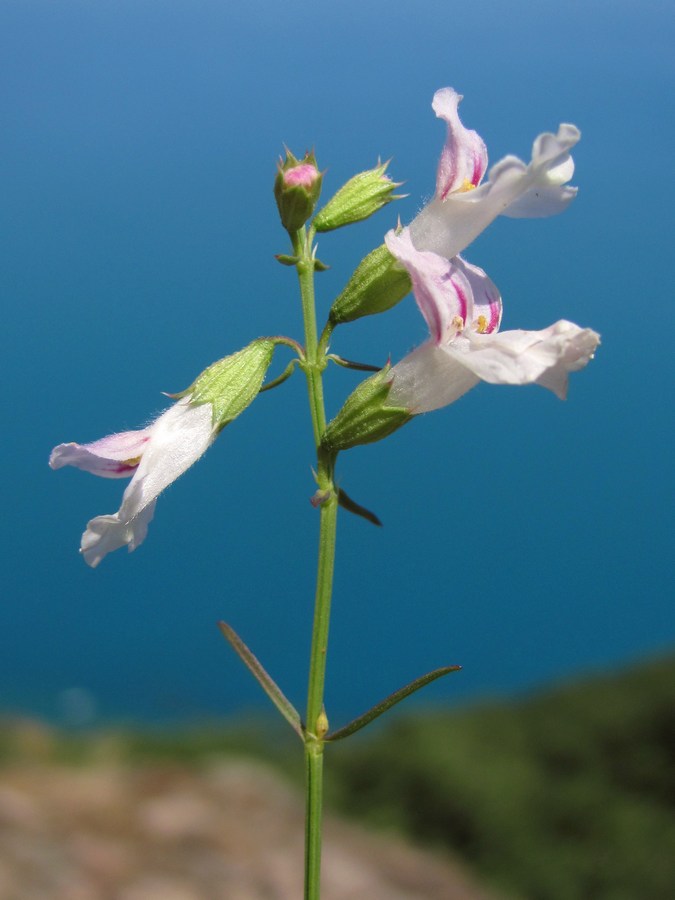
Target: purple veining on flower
x=463, y=206
x=464, y=157
x=462, y=308
x=155, y=456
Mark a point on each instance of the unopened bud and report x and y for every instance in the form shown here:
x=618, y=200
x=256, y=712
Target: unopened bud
x=359, y=198
x=378, y=283
x=297, y=188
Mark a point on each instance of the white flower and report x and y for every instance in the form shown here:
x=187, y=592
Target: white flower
x=154, y=456
x=462, y=308
x=463, y=206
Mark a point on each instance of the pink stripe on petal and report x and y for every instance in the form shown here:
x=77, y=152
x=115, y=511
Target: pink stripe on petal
x=441, y=293
x=460, y=291
x=464, y=156
x=495, y=316
x=487, y=302
x=479, y=166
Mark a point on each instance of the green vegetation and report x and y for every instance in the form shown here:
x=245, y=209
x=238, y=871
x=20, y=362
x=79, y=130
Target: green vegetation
x=567, y=796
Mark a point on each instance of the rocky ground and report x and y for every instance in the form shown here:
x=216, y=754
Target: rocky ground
x=231, y=830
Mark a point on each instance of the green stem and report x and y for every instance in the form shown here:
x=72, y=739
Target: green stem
x=314, y=364
x=316, y=723
x=313, y=814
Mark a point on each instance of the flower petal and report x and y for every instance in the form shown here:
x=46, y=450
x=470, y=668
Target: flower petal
x=464, y=157
x=551, y=168
x=107, y=533
x=525, y=357
x=513, y=189
x=424, y=381
x=441, y=289
x=429, y=378
x=486, y=299
x=114, y=456
x=179, y=437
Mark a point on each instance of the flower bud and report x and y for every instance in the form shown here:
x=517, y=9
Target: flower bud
x=359, y=198
x=378, y=283
x=296, y=189
x=365, y=416
x=232, y=383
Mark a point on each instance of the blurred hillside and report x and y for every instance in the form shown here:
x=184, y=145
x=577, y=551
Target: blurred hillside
x=566, y=796
x=569, y=795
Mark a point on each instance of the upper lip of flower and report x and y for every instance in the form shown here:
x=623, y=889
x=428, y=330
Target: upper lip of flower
x=464, y=156
x=453, y=296
x=463, y=206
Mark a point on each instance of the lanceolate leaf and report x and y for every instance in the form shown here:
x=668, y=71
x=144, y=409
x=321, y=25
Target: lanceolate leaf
x=388, y=702
x=273, y=691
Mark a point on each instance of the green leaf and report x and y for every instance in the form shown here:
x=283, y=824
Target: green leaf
x=271, y=688
x=388, y=702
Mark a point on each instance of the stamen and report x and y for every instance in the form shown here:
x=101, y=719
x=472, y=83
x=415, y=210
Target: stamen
x=466, y=186
x=458, y=323
x=131, y=463
x=481, y=324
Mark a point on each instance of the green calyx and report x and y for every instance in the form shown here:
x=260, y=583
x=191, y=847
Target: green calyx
x=378, y=283
x=232, y=383
x=296, y=189
x=359, y=198
x=365, y=417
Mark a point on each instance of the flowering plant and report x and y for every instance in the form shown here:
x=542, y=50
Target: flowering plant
x=463, y=310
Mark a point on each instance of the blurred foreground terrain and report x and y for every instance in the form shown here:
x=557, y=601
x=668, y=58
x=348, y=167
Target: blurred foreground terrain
x=569, y=795
x=230, y=831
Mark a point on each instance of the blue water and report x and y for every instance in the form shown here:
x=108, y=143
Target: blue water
x=524, y=538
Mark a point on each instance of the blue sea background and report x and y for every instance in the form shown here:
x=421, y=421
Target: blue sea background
x=526, y=539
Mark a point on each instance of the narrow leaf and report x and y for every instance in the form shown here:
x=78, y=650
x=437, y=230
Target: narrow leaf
x=352, y=506
x=388, y=702
x=285, y=375
x=286, y=260
x=350, y=364
x=273, y=691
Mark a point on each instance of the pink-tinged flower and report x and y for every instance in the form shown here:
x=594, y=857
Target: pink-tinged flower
x=462, y=308
x=463, y=206
x=154, y=456
x=297, y=187
x=304, y=175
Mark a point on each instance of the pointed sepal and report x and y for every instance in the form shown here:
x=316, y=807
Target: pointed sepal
x=271, y=688
x=386, y=704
